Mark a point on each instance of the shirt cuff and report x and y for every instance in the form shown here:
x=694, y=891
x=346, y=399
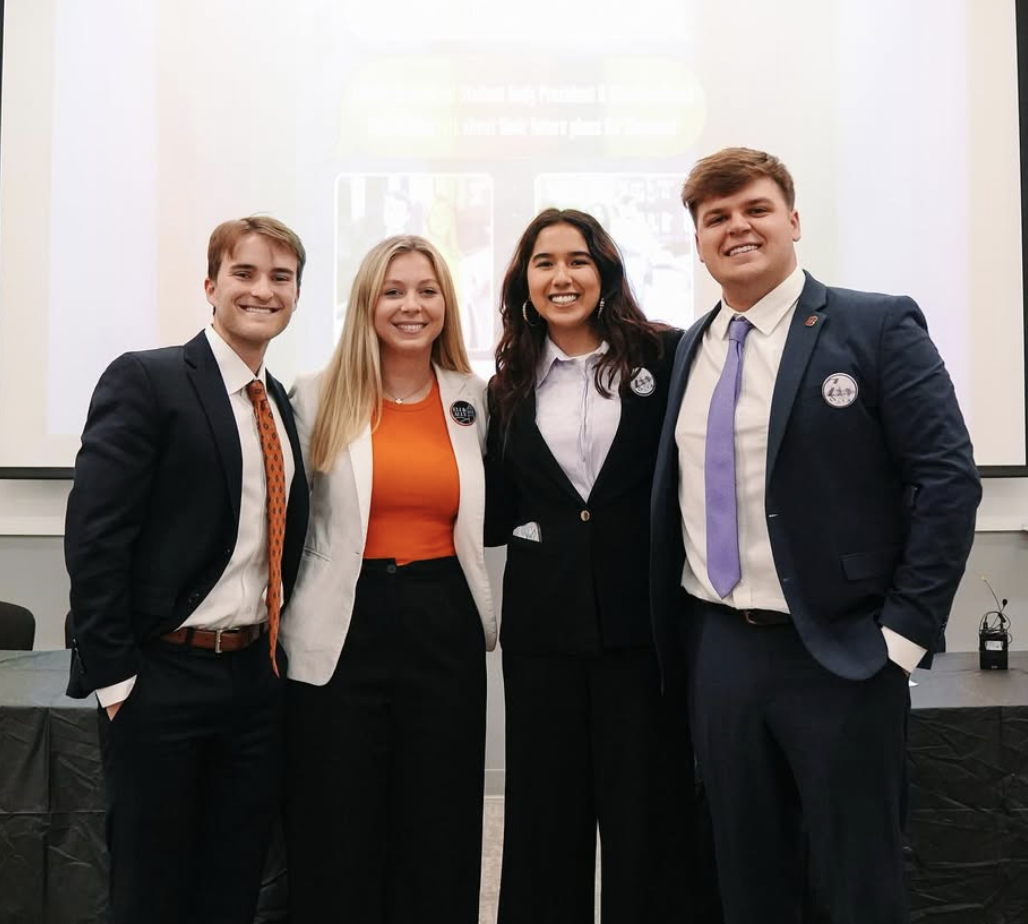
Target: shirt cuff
x=116, y=693
x=905, y=653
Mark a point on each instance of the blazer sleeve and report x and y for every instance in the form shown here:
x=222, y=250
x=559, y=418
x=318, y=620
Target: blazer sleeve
x=107, y=507
x=501, y=499
x=928, y=439
x=303, y=397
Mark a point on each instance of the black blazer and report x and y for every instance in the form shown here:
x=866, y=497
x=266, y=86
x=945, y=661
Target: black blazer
x=870, y=502
x=583, y=587
x=154, y=510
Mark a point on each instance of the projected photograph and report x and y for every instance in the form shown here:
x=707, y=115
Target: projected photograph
x=643, y=214
x=454, y=211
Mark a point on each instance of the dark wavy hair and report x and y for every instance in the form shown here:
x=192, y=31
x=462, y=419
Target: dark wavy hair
x=631, y=338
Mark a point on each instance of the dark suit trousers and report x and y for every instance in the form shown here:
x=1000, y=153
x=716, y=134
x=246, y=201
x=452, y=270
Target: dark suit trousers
x=590, y=741
x=192, y=763
x=791, y=753
x=386, y=762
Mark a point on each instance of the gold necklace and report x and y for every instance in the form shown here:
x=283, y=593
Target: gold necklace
x=406, y=397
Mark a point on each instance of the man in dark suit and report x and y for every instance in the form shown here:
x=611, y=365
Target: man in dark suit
x=185, y=481
x=813, y=508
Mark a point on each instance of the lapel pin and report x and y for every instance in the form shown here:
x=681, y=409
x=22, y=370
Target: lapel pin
x=463, y=413
x=839, y=390
x=643, y=383
x=811, y=321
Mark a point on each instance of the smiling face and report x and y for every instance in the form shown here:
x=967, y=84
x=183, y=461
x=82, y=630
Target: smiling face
x=747, y=241
x=564, y=286
x=253, y=295
x=410, y=309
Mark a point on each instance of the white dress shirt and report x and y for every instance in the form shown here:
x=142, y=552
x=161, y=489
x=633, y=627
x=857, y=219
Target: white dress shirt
x=576, y=421
x=238, y=598
x=758, y=587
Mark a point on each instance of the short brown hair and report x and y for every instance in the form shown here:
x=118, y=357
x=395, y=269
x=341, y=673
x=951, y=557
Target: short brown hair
x=227, y=235
x=730, y=169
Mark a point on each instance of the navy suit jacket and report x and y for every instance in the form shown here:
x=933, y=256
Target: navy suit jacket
x=153, y=514
x=870, y=506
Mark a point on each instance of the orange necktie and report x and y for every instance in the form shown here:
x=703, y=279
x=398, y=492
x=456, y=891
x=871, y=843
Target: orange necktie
x=275, y=473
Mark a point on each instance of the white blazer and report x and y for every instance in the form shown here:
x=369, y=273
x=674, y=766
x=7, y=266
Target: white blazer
x=316, y=621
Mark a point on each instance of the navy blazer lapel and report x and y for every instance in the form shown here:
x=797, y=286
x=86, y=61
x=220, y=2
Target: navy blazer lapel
x=799, y=345
x=205, y=377
x=278, y=393
x=684, y=356
x=298, y=509
x=623, y=443
x=538, y=447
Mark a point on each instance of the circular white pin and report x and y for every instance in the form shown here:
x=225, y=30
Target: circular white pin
x=839, y=390
x=644, y=383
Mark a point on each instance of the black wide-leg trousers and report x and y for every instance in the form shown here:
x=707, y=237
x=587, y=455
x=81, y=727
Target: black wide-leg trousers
x=386, y=762
x=590, y=742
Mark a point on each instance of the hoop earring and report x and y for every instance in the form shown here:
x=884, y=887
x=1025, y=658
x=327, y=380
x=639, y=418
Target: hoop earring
x=599, y=308
x=524, y=313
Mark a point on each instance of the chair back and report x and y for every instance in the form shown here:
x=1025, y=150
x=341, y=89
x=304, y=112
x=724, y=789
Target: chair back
x=17, y=628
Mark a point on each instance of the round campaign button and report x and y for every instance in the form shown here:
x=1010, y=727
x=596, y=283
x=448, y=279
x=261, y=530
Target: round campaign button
x=839, y=390
x=643, y=383
x=463, y=412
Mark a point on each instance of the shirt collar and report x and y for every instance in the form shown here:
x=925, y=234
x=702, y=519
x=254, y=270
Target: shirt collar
x=553, y=353
x=768, y=313
x=234, y=372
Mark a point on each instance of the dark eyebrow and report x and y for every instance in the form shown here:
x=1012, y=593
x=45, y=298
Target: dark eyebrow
x=760, y=200
x=573, y=253
x=252, y=268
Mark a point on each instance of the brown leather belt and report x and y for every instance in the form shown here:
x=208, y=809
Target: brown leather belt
x=220, y=641
x=756, y=617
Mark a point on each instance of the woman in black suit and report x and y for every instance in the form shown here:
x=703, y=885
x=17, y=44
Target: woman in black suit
x=577, y=405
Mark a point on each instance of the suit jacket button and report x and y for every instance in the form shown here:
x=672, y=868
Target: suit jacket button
x=586, y=516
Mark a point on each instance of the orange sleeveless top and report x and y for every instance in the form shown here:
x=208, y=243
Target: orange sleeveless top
x=415, y=488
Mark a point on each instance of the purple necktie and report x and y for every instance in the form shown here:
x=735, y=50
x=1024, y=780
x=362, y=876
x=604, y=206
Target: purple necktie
x=719, y=467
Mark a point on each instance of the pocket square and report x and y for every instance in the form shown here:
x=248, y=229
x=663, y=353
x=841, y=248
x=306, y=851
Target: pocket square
x=529, y=531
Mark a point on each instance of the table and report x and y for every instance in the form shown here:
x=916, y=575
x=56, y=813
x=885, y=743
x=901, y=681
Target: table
x=53, y=857
x=967, y=862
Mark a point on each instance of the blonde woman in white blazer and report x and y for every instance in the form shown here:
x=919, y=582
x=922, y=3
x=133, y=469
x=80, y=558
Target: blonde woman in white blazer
x=392, y=612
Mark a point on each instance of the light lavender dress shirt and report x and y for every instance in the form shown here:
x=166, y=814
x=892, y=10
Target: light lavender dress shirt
x=576, y=421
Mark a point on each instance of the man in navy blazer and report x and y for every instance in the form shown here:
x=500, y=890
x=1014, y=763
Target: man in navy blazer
x=167, y=548
x=848, y=530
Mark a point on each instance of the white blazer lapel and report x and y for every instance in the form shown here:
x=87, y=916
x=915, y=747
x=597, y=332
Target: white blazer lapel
x=463, y=400
x=363, y=467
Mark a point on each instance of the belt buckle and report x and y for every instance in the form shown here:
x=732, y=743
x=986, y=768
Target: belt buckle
x=748, y=616
x=217, y=640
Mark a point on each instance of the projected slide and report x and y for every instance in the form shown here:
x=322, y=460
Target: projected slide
x=129, y=130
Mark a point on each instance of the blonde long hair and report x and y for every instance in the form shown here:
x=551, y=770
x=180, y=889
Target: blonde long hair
x=351, y=385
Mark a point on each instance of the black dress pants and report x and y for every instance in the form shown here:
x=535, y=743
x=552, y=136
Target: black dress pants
x=590, y=742
x=192, y=763
x=793, y=755
x=386, y=762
